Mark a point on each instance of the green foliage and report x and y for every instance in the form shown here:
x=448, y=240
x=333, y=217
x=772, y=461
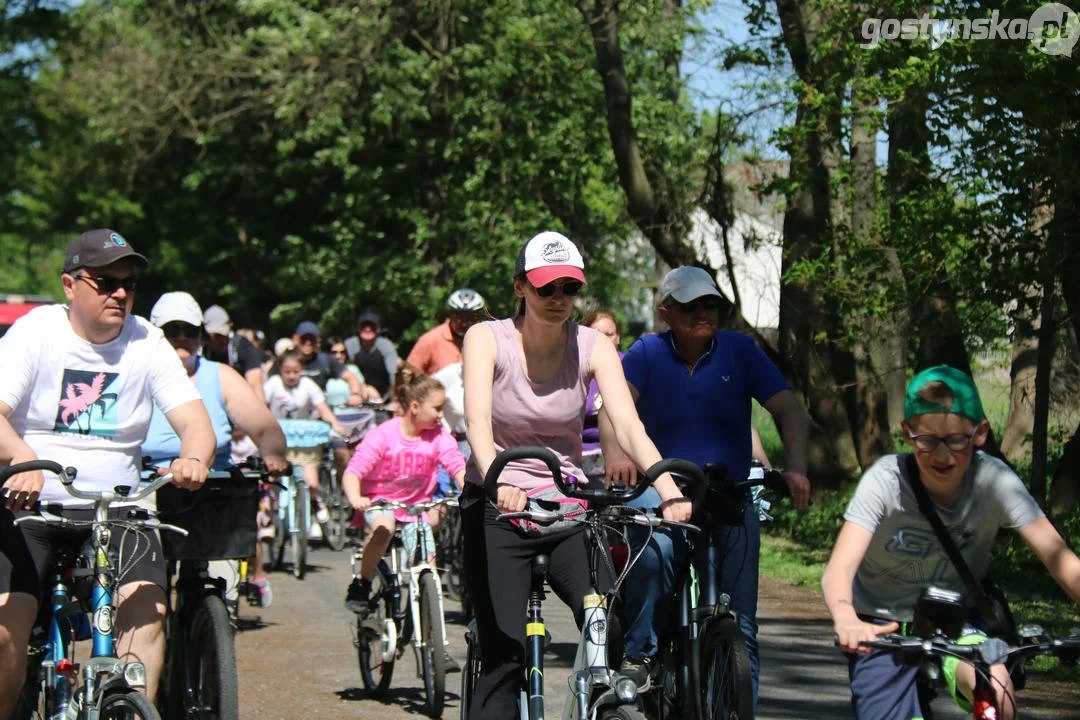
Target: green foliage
x=294, y=160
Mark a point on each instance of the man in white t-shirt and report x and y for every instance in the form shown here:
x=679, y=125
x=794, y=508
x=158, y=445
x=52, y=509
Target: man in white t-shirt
x=77, y=386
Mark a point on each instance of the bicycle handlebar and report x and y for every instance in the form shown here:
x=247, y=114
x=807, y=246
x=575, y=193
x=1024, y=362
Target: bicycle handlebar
x=594, y=496
x=414, y=508
x=909, y=650
x=67, y=479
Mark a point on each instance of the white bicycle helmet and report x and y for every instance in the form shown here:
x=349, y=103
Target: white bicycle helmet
x=466, y=299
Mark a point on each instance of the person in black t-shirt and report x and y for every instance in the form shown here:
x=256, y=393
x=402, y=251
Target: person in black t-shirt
x=375, y=355
x=232, y=349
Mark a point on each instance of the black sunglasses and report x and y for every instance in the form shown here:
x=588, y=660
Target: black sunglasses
x=709, y=302
x=107, y=285
x=569, y=289
x=175, y=330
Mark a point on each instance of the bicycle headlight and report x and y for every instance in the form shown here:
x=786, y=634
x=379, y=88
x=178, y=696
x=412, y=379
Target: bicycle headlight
x=626, y=690
x=135, y=674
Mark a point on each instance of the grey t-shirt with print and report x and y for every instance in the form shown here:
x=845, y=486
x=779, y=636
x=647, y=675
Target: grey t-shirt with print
x=905, y=555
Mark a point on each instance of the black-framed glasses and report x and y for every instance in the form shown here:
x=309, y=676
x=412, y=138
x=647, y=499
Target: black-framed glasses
x=175, y=330
x=955, y=442
x=569, y=289
x=107, y=285
x=709, y=302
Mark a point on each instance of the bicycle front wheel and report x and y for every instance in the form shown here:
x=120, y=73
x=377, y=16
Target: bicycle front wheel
x=376, y=636
x=212, y=692
x=434, y=652
x=727, y=690
x=127, y=705
x=298, y=534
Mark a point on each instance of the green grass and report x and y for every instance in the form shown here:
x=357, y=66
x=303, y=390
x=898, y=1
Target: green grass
x=788, y=560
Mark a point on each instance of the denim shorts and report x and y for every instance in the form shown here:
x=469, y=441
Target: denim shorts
x=410, y=531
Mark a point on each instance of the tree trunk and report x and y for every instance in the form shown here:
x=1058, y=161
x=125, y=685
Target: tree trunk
x=880, y=340
x=1015, y=441
x=659, y=223
x=821, y=373
x=1065, y=489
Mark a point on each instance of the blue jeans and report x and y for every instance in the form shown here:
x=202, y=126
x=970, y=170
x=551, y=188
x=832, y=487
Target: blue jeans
x=647, y=591
x=446, y=486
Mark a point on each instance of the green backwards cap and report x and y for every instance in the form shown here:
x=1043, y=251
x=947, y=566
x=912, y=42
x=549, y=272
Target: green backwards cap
x=965, y=396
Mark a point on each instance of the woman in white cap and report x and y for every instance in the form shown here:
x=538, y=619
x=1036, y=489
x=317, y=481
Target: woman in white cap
x=228, y=397
x=525, y=384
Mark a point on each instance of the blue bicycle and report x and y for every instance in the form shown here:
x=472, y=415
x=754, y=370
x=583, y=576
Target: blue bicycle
x=84, y=581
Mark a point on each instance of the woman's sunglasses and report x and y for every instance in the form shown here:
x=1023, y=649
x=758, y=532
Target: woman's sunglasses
x=175, y=330
x=709, y=302
x=569, y=289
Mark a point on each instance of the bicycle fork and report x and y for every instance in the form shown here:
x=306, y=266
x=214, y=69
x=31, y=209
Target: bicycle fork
x=591, y=661
x=415, y=574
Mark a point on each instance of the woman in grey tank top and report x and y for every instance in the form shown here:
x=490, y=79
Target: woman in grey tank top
x=526, y=380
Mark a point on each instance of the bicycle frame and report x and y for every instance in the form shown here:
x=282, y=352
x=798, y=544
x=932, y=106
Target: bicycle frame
x=103, y=671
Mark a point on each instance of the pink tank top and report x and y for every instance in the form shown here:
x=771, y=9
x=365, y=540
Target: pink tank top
x=549, y=414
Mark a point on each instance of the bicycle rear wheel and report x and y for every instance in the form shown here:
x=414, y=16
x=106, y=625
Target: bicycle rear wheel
x=624, y=712
x=212, y=692
x=337, y=505
x=727, y=691
x=434, y=652
x=301, y=513
x=127, y=705
x=471, y=672
x=376, y=636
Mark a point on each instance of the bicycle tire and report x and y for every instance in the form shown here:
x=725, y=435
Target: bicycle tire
x=373, y=637
x=449, y=554
x=471, y=671
x=340, y=511
x=434, y=652
x=727, y=691
x=213, y=685
x=127, y=705
x=298, y=539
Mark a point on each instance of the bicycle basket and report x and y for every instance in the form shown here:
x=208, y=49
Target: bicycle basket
x=220, y=518
x=357, y=423
x=302, y=434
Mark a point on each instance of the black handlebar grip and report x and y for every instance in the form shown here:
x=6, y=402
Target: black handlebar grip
x=523, y=452
x=686, y=469
x=31, y=466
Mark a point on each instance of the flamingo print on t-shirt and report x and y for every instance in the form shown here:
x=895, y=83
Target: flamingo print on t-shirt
x=87, y=405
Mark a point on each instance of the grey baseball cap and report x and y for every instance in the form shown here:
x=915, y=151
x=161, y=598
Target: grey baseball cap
x=683, y=284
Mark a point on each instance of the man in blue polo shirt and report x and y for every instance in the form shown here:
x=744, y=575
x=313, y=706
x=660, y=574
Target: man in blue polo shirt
x=693, y=386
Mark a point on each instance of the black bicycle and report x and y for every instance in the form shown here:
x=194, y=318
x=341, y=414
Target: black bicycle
x=939, y=619
x=597, y=690
x=703, y=669
x=200, y=660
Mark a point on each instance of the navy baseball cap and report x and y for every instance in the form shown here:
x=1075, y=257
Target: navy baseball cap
x=307, y=328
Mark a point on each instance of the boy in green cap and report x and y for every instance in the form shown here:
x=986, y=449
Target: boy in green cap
x=887, y=551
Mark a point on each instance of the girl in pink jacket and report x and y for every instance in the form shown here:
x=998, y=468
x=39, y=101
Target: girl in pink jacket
x=399, y=460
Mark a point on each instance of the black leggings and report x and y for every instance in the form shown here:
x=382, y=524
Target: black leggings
x=498, y=560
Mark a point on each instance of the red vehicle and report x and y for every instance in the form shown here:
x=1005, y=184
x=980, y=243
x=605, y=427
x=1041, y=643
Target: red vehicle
x=13, y=307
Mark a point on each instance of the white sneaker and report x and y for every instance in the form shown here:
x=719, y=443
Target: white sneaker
x=315, y=532
x=322, y=515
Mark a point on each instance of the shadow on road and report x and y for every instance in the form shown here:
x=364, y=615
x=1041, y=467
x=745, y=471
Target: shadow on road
x=408, y=700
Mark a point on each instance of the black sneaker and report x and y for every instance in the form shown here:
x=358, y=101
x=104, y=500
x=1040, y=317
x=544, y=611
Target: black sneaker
x=638, y=671
x=451, y=664
x=358, y=596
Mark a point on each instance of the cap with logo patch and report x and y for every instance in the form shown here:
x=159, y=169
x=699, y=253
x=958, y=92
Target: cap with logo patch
x=98, y=248
x=548, y=257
